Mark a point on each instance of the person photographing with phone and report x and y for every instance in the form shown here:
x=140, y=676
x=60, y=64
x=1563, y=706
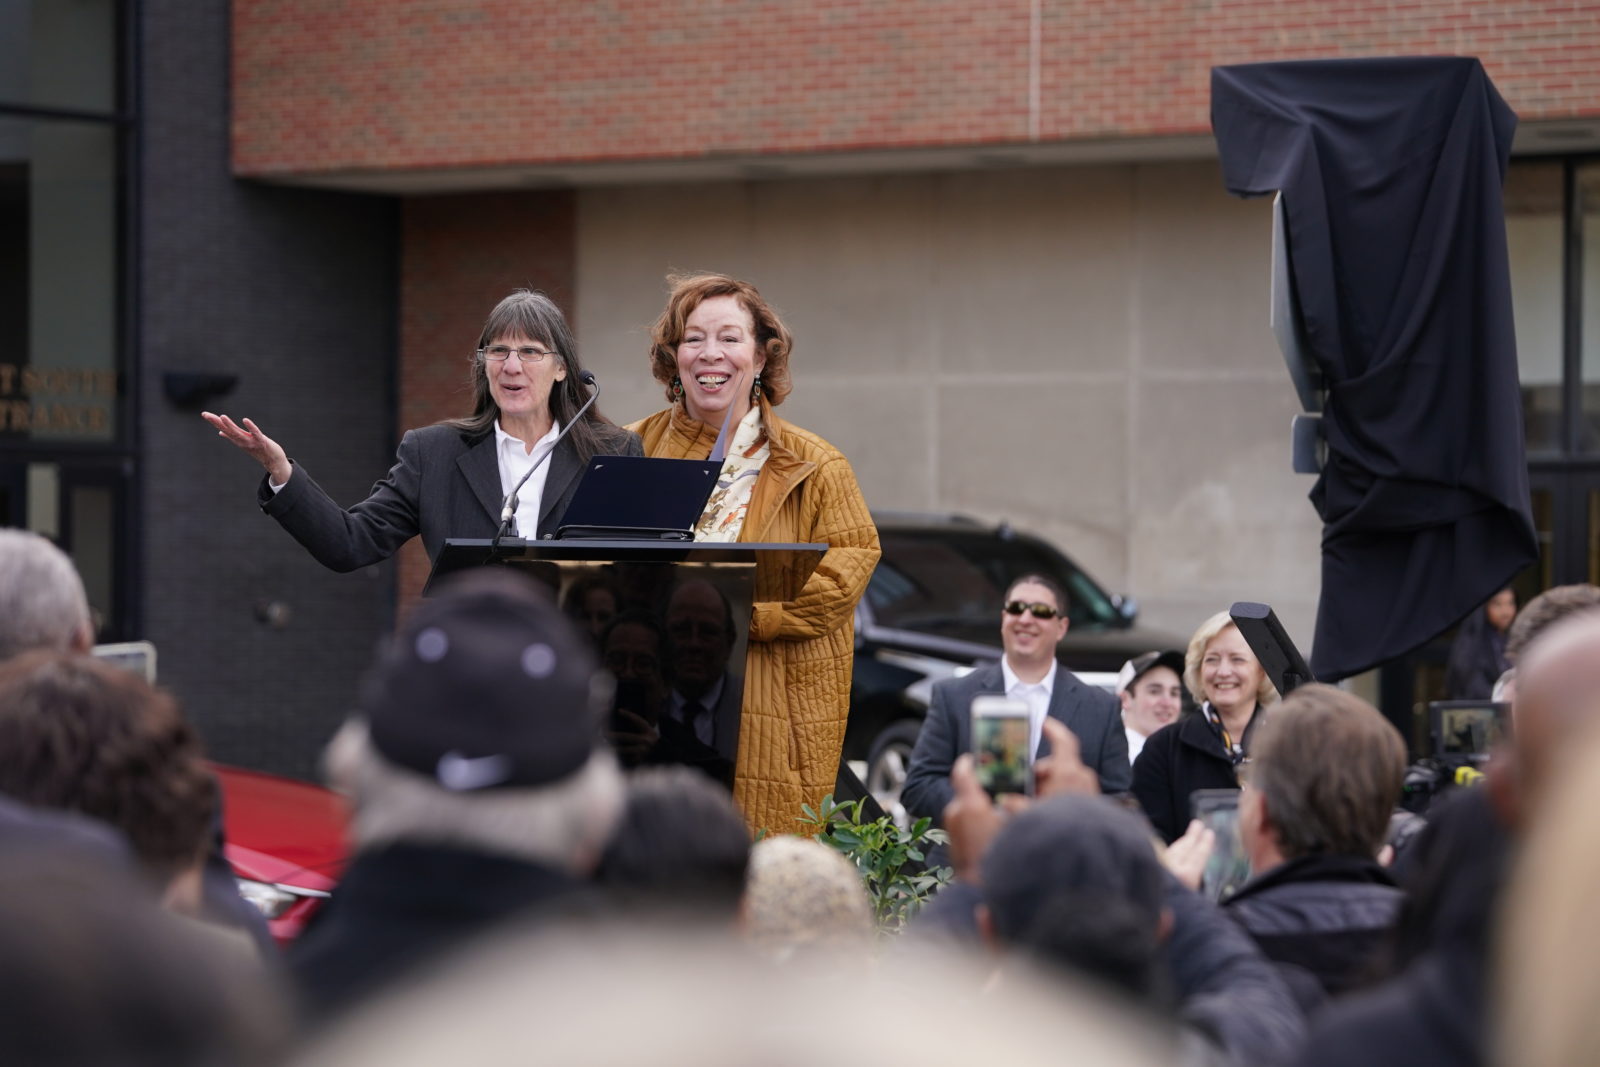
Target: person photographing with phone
x=1033, y=618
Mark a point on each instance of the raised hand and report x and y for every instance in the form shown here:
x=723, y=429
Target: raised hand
x=249, y=437
x=1186, y=857
x=971, y=819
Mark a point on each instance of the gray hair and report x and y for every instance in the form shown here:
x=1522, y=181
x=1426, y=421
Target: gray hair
x=42, y=603
x=565, y=825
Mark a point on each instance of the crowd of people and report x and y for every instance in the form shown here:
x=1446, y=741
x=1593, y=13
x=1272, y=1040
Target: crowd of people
x=574, y=831
x=498, y=844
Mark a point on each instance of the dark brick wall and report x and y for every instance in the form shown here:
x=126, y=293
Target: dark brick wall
x=296, y=293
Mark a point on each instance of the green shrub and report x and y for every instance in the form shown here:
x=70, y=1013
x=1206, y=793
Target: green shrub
x=890, y=859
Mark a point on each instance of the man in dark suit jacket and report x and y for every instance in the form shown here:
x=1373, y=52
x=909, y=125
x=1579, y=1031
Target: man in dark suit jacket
x=1032, y=621
x=701, y=636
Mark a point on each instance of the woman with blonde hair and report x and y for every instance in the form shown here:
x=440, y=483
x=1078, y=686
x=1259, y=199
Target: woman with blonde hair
x=1203, y=750
x=723, y=355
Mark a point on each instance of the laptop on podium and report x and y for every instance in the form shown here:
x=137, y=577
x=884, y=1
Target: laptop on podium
x=624, y=498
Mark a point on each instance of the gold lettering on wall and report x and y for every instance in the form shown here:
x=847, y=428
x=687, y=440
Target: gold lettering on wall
x=56, y=399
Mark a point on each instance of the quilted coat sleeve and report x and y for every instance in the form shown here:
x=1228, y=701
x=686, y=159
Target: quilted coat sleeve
x=828, y=600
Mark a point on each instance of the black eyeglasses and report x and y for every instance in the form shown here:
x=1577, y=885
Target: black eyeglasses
x=1036, y=609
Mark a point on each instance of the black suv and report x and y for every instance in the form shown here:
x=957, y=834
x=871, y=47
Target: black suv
x=932, y=611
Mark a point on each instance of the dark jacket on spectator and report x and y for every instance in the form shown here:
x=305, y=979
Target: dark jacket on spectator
x=1225, y=988
x=1477, y=659
x=1433, y=1011
x=1329, y=915
x=407, y=904
x=1176, y=760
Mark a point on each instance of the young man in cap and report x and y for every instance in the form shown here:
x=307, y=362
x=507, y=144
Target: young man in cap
x=480, y=786
x=1151, y=689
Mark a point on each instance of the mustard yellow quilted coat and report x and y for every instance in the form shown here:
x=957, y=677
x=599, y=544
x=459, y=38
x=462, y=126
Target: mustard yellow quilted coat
x=797, y=670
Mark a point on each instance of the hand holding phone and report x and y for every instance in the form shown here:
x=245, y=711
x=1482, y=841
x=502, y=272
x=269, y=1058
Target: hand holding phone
x=1002, y=749
x=1228, y=866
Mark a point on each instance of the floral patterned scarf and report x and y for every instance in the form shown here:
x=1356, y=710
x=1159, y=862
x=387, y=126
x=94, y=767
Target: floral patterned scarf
x=725, y=510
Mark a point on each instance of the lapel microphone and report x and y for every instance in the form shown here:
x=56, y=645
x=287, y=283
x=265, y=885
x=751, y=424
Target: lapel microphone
x=508, y=512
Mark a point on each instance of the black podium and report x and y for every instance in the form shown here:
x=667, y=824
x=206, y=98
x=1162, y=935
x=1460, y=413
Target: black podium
x=670, y=621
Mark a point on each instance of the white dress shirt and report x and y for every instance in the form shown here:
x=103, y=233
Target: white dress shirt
x=515, y=459
x=1037, y=694
x=1135, y=743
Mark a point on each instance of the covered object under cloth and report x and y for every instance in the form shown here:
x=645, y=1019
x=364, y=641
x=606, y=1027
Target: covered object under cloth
x=1391, y=173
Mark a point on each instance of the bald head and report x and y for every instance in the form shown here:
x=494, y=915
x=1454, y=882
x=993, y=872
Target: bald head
x=42, y=603
x=1558, y=697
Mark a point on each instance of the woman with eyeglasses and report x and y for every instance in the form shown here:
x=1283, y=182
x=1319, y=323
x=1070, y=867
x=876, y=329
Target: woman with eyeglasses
x=1206, y=748
x=451, y=479
x=722, y=354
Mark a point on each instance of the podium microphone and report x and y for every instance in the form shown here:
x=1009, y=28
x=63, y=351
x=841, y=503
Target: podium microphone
x=508, y=512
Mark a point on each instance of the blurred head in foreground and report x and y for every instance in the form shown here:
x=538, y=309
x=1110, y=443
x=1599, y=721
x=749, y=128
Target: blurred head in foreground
x=99, y=975
x=479, y=727
x=626, y=997
x=84, y=736
x=681, y=847
x=1074, y=882
x=804, y=897
x=1547, y=983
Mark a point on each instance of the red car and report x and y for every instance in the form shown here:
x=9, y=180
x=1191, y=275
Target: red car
x=286, y=842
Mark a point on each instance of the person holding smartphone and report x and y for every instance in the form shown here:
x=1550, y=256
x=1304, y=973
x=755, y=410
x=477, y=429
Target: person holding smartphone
x=1033, y=619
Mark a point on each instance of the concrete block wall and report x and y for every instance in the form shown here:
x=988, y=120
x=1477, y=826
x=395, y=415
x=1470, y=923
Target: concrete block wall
x=1083, y=351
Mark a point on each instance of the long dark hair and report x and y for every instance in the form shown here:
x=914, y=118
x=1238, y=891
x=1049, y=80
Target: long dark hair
x=533, y=315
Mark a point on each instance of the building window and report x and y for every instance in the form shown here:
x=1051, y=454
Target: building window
x=66, y=439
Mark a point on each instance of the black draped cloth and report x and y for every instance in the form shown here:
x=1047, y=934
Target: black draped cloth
x=1391, y=173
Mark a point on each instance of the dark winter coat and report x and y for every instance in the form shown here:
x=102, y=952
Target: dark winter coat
x=1225, y=989
x=1176, y=760
x=1434, y=1010
x=1330, y=916
x=407, y=904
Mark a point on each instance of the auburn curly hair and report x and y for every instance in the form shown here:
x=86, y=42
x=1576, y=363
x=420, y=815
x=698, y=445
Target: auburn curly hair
x=689, y=291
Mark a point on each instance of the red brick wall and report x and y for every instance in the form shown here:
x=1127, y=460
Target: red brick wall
x=430, y=83
x=460, y=255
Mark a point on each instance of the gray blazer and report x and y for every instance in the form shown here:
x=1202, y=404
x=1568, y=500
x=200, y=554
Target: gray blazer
x=1092, y=714
x=443, y=484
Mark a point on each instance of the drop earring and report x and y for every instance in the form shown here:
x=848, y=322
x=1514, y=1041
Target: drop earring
x=755, y=389
x=677, y=388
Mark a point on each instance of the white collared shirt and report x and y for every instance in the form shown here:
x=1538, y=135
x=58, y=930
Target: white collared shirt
x=515, y=459
x=1037, y=694
x=1135, y=743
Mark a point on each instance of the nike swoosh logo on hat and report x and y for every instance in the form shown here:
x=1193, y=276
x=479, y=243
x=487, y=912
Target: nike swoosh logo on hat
x=462, y=773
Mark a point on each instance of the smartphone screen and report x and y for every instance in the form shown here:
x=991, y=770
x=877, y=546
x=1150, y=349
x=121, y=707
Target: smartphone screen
x=1001, y=745
x=136, y=656
x=1229, y=867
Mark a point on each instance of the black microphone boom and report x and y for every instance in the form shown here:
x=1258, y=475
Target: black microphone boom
x=508, y=512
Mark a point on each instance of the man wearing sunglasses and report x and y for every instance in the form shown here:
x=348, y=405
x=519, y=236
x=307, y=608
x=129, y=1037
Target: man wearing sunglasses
x=1033, y=618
